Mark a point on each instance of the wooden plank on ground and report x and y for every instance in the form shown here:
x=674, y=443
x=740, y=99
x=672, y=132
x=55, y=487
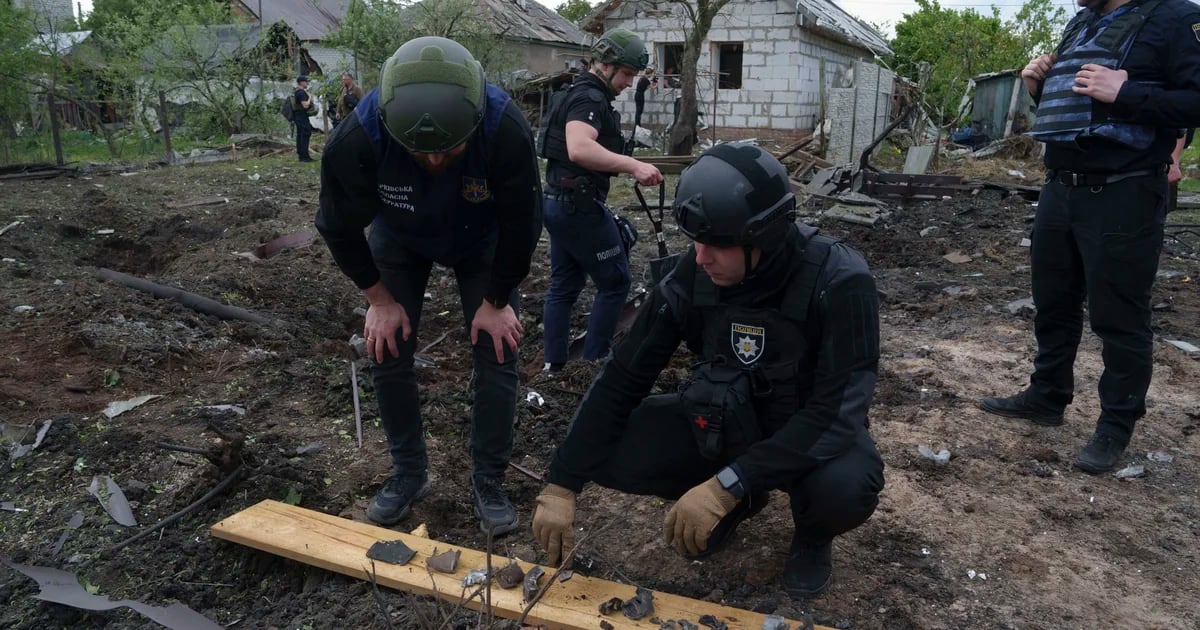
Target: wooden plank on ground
x=340, y=545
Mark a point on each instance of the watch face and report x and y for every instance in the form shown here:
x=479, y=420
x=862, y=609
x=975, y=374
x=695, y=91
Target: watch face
x=728, y=478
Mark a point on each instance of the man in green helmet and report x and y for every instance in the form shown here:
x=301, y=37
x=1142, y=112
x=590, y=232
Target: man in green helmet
x=584, y=148
x=441, y=166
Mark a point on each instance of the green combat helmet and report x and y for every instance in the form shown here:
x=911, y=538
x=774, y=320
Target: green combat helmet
x=622, y=47
x=431, y=94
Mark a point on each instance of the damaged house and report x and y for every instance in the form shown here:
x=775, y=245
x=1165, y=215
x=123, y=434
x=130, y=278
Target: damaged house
x=547, y=42
x=767, y=68
x=311, y=21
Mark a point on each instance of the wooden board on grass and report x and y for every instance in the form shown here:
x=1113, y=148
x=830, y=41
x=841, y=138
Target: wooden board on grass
x=340, y=545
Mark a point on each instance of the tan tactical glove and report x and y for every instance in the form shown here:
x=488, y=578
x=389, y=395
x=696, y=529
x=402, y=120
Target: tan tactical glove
x=554, y=522
x=694, y=516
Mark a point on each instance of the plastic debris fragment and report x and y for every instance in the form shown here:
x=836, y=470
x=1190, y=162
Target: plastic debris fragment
x=445, y=562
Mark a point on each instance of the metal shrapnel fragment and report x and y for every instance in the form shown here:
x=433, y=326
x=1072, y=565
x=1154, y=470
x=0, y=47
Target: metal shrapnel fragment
x=478, y=576
x=611, y=606
x=565, y=575
x=775, y=622
x=713, y=622
x=445, y=562
x=604, y=625
x=640, y=605
x=391, y=551
x=510, y=576
x=530, y=590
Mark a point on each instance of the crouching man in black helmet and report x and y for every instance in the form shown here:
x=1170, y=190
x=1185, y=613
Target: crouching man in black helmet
x=441, y=166
x=582, y=143
x=784, y=323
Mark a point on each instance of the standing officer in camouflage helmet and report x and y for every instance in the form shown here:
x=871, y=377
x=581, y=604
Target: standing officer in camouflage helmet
x=441, y=166
x=785, y=323
x=583, y=146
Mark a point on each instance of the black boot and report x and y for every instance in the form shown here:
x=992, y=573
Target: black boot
x=396, y=498
x=1024, y=405
x=1100, y=454
x=492, y=506
x=809, y=567
x=723, y=533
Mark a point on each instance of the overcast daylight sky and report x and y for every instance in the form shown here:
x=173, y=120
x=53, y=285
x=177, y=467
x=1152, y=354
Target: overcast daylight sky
x=884, y=13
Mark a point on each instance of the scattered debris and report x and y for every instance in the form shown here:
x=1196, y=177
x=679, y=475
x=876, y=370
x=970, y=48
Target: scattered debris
x=73, y=524
x=391, y=551
x=640, y=605
x=354, y=398
x=1183, y=345
x=20, y=450
x=530, y=588
x=940, y=458
x=478, y=576
x=916, y=162
x=119, y=407
x=420, y=531
x=241, y=411
x=1131, y=472
x=929, y=230
x=270, y=249
x=611, y=606
x=198, y=201
x=445, y=562
x=957, y=258
x=713, y=622
x=312, y=448
x=23, y=308
x=1025, y=242
x=112, y=499
x=9, y=506
x=535, y=398
x=9, y=227
x=972, y=574
x=859, y=215
x=105, y=231
x=565, y=575
x=774, y=622
x=1021, y=306
x=510, y=576
x=604, y=625
x=1160, y=456
x=61, y=587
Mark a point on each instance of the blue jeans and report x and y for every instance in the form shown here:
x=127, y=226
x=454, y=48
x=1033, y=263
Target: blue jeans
x=582, y=245
x=405, y=274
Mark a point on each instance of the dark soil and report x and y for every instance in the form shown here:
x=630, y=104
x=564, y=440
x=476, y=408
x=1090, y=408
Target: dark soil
x=1059, y=549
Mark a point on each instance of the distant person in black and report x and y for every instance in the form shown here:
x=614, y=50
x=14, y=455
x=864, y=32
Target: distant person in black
x=304, y=126
x=645, y=82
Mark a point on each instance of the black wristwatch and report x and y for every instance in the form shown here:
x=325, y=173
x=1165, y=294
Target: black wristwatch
x=729, y=479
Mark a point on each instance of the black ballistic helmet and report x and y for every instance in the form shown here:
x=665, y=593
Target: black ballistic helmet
x=431, y=94
x=735, y=195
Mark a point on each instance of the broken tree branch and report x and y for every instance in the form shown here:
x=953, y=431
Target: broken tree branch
x=190, y=300
x=195, y=505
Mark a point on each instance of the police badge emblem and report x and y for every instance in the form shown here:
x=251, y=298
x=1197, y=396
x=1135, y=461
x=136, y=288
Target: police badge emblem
x=475, y=190
x=1196, y=31
x=748, y=342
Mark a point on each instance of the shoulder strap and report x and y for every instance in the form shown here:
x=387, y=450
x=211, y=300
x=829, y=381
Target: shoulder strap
x=1072, y=31
x=1126, y=27
x=497, y=102
x=797, y=298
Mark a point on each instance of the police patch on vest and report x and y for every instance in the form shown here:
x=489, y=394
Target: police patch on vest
x=1196, y=31
x=748, y=342
x=475, y=189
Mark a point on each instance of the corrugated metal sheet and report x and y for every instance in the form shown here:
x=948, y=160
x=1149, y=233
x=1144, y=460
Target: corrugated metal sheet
x=530, y=19
x=1000, y=98
x=311, y=19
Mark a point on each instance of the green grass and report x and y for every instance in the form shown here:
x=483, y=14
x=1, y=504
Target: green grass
x=85, y=146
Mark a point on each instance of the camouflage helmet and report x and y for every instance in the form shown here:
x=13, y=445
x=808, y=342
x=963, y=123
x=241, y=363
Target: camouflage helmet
x=431, y=94
x=735, y=194
x=622, y=47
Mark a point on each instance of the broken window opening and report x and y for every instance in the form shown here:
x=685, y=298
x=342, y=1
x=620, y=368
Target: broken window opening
x=728, y=61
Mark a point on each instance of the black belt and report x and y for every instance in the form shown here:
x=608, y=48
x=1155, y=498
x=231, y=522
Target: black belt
x=1067, y=178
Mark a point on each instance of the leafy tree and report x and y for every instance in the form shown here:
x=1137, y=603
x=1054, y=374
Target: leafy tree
x=960, y=44
x=574, y=10
x=698, y=21
x=374, y=29
x=16, y=59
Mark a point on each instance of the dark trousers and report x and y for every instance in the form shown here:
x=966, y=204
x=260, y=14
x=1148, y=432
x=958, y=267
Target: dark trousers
x=1099, y=244
x=657, y=455
x=639, y=103
x=303, y=133
x=583, y=244
x=406, y=274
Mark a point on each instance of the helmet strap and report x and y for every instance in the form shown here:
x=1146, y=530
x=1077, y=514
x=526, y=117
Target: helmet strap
x=746, y=249
x=608, y=80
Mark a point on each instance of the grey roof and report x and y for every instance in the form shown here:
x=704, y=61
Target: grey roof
x=213, y=42
x=531, y=20
x=311, y=19
x=833, y=21
x=824, y=16
x=59, y=43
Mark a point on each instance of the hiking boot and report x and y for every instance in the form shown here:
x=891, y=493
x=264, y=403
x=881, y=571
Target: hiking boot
x=396, y=498
x=809, y=567
x=722, y=534
x=492, y=506
x=1022, y=405
x=1100, y=454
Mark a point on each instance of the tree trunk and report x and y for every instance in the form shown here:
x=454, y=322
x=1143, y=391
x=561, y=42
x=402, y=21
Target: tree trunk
x=683, y=131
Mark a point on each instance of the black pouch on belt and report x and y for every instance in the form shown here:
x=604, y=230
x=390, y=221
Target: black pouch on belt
x=718, y=401
x=584, y=195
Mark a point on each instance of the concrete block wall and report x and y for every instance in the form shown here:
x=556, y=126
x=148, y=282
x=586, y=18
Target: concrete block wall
x=781, y=66
x=859, y=113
